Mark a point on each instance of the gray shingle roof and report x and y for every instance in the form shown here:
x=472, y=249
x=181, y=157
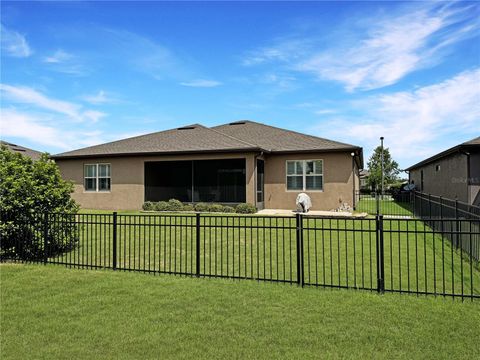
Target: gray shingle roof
x=32, y=154
x=475, y=141
x=192, y=138
x=238, y=136
x=279, y=140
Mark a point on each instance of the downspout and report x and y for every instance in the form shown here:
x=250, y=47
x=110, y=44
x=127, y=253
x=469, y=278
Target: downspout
x=255, y=178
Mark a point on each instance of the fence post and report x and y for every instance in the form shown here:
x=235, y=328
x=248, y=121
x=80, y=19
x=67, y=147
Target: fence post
x=197, y=246
x=430, y=206
x=413, y=195
x=114, y=247
x=45, y=238
x=377, y=202
x=299, y=233
x=380, y=253
x=457, y=224
x=421, y=197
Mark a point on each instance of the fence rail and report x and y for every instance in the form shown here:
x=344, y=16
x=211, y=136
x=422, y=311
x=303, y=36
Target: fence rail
x=378, y=254
x=387, y=204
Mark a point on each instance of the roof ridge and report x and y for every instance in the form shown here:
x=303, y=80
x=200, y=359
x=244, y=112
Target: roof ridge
x=233, y=137
x=291, y=131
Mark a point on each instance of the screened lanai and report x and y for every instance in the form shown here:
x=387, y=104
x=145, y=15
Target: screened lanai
x=220, y=181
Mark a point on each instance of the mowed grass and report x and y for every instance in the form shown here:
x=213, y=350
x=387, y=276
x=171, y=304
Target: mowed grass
x=387, y=206
x=49, y=312
x=336, y=252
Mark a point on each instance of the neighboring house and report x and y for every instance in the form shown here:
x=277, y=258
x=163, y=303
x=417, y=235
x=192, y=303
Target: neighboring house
x=243, y=161
x=32, y=154
x=364, y=180
x=453, y=173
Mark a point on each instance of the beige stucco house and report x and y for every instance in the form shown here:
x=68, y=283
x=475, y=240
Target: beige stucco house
x=453, y=173
x=243, y=161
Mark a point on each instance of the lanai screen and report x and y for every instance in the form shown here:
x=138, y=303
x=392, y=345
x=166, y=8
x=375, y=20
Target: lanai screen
x=220, y=181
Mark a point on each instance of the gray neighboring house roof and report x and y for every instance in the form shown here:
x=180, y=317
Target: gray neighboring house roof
x=465, y=146
x=238, y=136
x=32, y=154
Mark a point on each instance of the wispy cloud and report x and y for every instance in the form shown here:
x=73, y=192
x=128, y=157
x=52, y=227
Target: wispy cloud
x=141, y=53
x=380, y=50
x=325, y=112
x=415, y=123
x=202, y=83
x=99, y=98
x=31, y=128
x=14, y=43
x=58, y=56
x=66, y=63
x=27, y=95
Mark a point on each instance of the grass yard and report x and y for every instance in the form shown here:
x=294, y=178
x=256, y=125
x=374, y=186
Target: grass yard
x=265, y=247
x=49, y=312
x=388, y=206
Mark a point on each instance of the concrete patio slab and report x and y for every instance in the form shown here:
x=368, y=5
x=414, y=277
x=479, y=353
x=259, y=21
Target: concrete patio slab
x=286, y=212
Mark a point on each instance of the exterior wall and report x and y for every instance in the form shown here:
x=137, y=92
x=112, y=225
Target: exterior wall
x=127, y=179
x=474, y=178
x=337, y=188
x=450, y=181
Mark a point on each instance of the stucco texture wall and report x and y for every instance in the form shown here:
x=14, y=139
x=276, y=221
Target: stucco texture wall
x=127, y=179
x=450, y=181
x=338, y=181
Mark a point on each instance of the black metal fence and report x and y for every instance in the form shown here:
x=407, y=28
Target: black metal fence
x=400, y=204
x=432, y=208
x=378, y=254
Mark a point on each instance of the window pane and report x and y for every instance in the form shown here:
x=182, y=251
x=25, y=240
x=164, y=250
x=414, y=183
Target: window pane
x=309, y=167
x=294, y=182
x=314, y=183
x=90, y=170
x=104, y=170
x=299, y=167
x=318, y=167
x=90, y=185
x=290, y=167
x=104, y=184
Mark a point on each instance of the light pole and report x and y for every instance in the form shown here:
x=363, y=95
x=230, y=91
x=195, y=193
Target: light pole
x=353, y=177
x=381, y=162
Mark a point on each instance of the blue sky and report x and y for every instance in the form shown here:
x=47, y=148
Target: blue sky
x=76, y=74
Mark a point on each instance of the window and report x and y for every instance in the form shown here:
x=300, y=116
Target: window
x=305, y=175
x=97, y=177
x=437, y=167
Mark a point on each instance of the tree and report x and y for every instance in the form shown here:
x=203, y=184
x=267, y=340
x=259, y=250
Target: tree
x=390, y=169
x=34, y=201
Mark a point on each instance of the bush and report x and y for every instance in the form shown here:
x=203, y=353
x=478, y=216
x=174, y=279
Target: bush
x=228, y=209
x=245, y=209
x=29, y=192
x=161, y=206
x=148, y=206
x=215, y=208
x=201, y=207
x=175, y=205
x=188, y=207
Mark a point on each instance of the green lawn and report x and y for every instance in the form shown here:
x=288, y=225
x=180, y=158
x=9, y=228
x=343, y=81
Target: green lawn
x=387, y=206
x=49, y=312
x=265, y=247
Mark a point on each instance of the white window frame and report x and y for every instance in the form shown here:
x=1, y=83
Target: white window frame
x=97, y=177
x=304, y=175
